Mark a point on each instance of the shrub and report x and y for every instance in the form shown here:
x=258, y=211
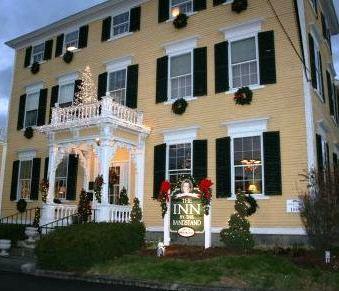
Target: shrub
x=123, y=199
x=319, y=208
x=238, y=236
x=136, y=213
x=84, y=207
x=14, y=232
x=79, y=247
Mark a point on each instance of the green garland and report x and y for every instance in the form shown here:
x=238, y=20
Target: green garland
x=253, y=205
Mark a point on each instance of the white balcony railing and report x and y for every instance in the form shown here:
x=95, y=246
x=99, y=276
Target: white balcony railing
x=2, y=134
x=120, y=213
x=63, y=210
x=93, y=113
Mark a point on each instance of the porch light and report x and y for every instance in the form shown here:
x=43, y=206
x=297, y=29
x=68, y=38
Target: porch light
x=97, y=141
x=71, y=48
x=175, y=12
x=252, y=188
x=62, y=191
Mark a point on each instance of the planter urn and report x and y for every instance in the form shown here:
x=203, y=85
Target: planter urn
x=31, y=233
x=5, y=245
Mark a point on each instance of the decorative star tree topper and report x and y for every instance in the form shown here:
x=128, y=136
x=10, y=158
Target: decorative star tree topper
x=86, y=91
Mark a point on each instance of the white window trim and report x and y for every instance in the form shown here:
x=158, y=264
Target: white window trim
x=179, y=136
x=66, y=80
x=247, y=128
x=240, y=32
x=32, y=89
x=67, y=159
x=313, y=7
x=171, y=18
x=34, y=45
x=118, y=64
x=27, y=155
x=108, y=83
x=115, y=37
x=64, y=42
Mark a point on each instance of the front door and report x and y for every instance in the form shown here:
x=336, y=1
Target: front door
x=118, y=178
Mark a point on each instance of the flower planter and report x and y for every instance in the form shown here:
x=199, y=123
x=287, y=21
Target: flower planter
x=31, y=233
x=5, y=245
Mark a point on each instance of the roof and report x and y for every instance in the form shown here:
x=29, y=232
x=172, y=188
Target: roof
x=95, y=12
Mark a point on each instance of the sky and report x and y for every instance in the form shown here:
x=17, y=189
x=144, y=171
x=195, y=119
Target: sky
x=18, y=17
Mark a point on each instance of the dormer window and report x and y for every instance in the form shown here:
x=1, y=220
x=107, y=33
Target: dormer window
x=121, y=24
x=72, y=40
x=38, y=53
x=181, y=6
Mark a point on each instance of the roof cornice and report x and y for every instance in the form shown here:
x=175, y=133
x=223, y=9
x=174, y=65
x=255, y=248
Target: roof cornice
x=91, y=14
x=331, y=15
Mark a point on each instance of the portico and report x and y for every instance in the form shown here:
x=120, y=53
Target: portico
x=103, y=138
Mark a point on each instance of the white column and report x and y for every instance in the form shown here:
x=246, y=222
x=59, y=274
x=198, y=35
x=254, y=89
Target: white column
x=47, y=210
x=208, y=229
x=140, y=175
x=106, y=152
x=2, y=171
x=167, y=237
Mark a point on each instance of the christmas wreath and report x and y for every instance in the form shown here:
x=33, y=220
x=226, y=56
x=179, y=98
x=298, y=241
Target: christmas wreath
x=21, y=205
x=44, y=185
x=243, y=96
x=35, y=68
x=67, y=57
x=179, y=106
x=203, y=189
x=253, y=205
x=239, y=5
x=180, y=21
x=28, y=132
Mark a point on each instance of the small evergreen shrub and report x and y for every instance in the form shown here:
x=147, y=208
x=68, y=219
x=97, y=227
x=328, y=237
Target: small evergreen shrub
x=123, y=199
x=84, y=207
x=136, y=213
x=13, y=232
x=78, y=247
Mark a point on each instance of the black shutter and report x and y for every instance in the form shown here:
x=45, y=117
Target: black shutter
x=321, y=76
x=83, y=36
x=28, y=57
x=330, y=92
x=135, y=19
x=163, y=10
x=272, y=163
x=162, y=79
x=132, y=86
x=77, y=85
x=199, y=5
x=319, y=147
x=48, y=49
x=35, y=179
x=54, y=99
x=46, y=168
x=59, y=45
x=199, y=159
x=223, y=167
x=106, y=29
x=335, y=163
x=218, y=2
x=221, y=67
x=42, y=107
x=159, y=168
x=102, y=85
x=267, y=57
x=21, y=112
x=72, y=176
x=14, y=184
x=200, y=71
x=323, y=24
x=312, y=61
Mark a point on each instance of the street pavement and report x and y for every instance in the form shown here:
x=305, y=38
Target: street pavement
x=17, y=282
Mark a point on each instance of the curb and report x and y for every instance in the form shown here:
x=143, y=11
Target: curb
x=124, y=282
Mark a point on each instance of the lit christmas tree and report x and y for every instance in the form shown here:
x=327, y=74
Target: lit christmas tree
x=136, y=213
x=86, y=91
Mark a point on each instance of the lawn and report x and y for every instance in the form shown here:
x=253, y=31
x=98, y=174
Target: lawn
x=258, y=270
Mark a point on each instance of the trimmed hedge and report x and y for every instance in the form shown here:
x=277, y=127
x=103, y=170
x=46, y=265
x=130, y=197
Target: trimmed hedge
x=14, y=232
x=79, y=247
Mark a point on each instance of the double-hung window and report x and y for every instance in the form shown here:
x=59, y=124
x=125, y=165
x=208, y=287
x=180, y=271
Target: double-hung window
x=181, y=79
x=72, y=40
x=181, y=6
x=25, y=178
x=121, y=23
x=244, y=62
x=38, y=53
x=61, y=179
x=31, y=109
x=66, y=94
x=179, y=161
x=247, y=164
x=117, y=85
x=318, y=69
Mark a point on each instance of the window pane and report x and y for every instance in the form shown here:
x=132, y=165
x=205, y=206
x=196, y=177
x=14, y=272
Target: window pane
x=31, y=118
x=179, y=161
x=182, y=6
x=117, y=86
x=71, y=39
x=38, y=52
x=121, y=23
x=25, y=169
x=66, y=93
x=243, y=50
x=25, y=179
x=181, y=65
x=32, y=101
x=38, y=48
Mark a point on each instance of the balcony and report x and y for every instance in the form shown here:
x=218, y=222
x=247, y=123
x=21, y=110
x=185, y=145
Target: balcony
x=87, y=115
